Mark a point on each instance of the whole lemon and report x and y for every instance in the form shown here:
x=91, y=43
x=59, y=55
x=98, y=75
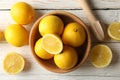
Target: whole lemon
x=40, y=51
x=16, y=35
x=22, y=13
x=51, y=24
x=67, y=59
x=74, y=35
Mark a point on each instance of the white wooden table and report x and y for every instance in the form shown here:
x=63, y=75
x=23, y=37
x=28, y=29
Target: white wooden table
x=107, y=11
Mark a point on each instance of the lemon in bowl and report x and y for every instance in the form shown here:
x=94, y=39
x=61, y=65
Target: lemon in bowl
x=51, y=24
x=74, y=34
x=67, y=59
x=40, y=52
x=52, y=64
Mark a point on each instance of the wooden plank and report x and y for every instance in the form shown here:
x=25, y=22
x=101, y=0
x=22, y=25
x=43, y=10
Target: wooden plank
x=58, y=77
x=63, y=4
x=84, y=70
x=34, y=70
x=106, y=16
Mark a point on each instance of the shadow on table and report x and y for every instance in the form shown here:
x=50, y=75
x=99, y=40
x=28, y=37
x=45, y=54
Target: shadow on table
x=115, y=58
x=27, y=65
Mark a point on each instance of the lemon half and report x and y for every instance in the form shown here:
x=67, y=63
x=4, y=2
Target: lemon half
x=101, y=56
x=52, y=43
x=114, y=30
x=13, y=63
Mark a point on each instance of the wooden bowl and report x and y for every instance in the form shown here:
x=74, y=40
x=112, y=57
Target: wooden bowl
x=83, y=51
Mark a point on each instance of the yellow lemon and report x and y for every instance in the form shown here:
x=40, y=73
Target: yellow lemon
x=114, y=30
x=67, y=58
x=22, y=13
x=40, y=51
x=1, y=35
x=51, y=25
x=74, y=35
x=101, y=56
x=16, y=35
x=13, y=63
x=52, y=43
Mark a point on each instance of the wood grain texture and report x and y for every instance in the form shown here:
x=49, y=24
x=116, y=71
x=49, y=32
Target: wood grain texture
x=63, y=4
x=107, y=11
x=105, y=16
x=34, y=71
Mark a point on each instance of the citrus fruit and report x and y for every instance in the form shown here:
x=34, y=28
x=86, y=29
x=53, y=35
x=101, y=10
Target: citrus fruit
x=22, y=13
x=114, y=30
x=40, y=51
x=67, y=58
x=52, y=43
x=74, y=35
x=51, y=25
x=101, y=56
x=13, y=63
x=16, y=35
x=1, y=35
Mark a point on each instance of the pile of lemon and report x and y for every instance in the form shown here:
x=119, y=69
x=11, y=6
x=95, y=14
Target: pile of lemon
x=17, y=35
x=61, y=45
x=59, y=41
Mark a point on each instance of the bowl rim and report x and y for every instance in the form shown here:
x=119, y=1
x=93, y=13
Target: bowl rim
x=77, y=19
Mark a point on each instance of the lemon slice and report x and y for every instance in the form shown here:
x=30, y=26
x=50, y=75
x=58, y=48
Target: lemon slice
x=13, y=63
x=114, y=30
x=52, y=43
x=101, y=56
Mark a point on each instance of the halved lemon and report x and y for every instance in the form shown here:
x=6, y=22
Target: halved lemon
x=13, y=63
x=101, y=56
x=52, y=43
x=114, y=30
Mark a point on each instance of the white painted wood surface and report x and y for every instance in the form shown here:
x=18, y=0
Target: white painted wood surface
x=107, y=11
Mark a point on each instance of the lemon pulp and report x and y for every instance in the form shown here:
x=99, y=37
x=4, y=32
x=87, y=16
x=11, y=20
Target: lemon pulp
x=52, y=43
x=13, y=63
x=114, y=30
x=101, y=56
